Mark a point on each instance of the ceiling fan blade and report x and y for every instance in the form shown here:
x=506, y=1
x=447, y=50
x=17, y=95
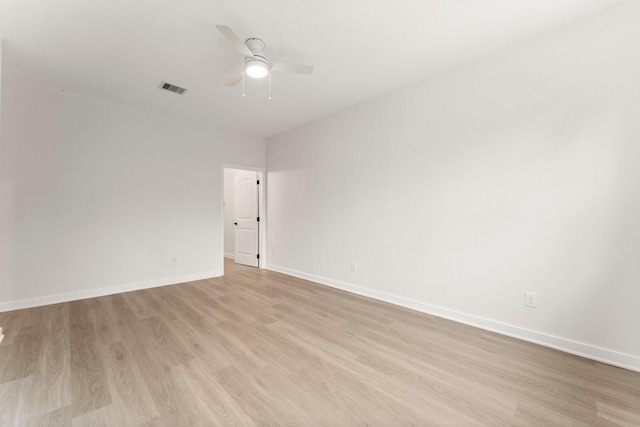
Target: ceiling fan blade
x=291, y=68
x=234, y=80
x=235, y=41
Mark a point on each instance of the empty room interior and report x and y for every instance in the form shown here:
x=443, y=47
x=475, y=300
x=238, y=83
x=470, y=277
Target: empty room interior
x=422, y=212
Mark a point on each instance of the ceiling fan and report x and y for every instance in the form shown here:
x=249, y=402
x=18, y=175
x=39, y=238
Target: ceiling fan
x=256, y=64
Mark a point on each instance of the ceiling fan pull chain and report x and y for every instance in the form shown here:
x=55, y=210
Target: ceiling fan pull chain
x=243, y=83
x=269, y=86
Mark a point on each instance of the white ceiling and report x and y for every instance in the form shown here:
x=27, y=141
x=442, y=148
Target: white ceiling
x=122, y=49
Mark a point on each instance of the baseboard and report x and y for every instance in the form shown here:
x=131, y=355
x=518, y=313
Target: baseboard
x=588, y=351
x=109, y=290
x=232, y=256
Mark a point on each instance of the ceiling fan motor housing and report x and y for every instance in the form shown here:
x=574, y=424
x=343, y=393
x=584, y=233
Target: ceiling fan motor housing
x=259, y=58
x=256, y=46
x=256, y=66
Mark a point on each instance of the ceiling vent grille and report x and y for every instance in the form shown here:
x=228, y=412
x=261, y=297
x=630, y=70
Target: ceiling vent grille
x=172, y=88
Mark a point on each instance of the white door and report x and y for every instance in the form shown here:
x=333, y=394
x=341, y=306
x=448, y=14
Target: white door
x=247, y=220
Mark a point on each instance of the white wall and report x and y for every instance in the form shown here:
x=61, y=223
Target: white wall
x=98, y=197
x=517, y=172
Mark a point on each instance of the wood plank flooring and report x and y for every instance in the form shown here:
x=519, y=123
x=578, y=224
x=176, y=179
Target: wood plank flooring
x=261, y=348
x=230, y=266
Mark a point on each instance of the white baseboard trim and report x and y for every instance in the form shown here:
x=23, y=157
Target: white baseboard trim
x=588, y=351
x=232, y=256
x=109, y=290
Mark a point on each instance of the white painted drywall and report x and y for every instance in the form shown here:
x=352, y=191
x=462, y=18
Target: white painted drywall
x=98, y=197
x=517, y=172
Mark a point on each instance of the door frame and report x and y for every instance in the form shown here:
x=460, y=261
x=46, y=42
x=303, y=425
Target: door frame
x=262, y=211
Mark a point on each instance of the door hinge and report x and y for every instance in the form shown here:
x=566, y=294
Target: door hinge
x=258, y=256
x=258, y=219
x=258, y=182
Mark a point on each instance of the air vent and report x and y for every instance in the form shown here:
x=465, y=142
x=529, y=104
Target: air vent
x=172, y=88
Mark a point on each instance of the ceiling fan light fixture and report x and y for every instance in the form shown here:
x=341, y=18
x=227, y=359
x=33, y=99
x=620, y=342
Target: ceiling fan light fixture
x=255, y=64
x=256, y=68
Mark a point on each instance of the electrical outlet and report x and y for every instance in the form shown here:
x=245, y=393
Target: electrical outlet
x=531, y=299
x=174, y=260
x=273, y=252
x=354, y=266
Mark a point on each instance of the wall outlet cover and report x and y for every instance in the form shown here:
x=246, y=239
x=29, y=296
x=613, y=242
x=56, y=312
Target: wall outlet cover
x=531, y=299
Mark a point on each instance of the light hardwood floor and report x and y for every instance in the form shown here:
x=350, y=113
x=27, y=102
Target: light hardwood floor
x=262, y=348
x=230, y=266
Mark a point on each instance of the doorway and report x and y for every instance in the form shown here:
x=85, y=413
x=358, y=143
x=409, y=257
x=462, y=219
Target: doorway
x=243, y=218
